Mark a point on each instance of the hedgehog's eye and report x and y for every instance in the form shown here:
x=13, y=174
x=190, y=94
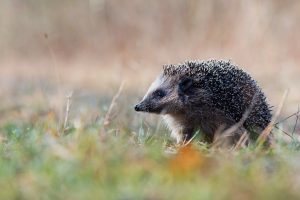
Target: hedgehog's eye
x=159, y=93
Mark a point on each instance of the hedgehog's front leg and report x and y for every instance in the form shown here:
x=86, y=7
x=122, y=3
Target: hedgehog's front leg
x=181, y=130
x=182, y=134
x=177, y=135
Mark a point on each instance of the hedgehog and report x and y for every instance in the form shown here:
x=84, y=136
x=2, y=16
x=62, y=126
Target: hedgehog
x=209, y=97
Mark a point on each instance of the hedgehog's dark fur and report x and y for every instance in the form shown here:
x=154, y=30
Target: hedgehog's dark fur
x=234, y=91
x=207, y=95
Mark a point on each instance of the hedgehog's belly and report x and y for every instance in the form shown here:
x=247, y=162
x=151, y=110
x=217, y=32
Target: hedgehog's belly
x=182, y=128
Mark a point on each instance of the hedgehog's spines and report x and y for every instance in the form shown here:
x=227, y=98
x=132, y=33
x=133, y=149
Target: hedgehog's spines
x=232, y=88
x=195, y=67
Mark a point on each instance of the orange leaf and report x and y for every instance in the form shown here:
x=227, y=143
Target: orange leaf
x=187, y=160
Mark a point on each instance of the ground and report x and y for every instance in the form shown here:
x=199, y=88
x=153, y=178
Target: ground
x=63, y=138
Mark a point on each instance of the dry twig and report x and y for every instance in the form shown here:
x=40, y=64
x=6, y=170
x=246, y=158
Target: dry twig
x=241, y=143
x=264, y=135
x=67, y=112
x=108, y=117
x=297, y=118
x=292, y=115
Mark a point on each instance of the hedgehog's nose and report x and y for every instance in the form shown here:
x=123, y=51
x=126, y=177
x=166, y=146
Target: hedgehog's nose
x=137, y=107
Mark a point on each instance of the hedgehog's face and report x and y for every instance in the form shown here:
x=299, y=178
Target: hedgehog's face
x=165, y=96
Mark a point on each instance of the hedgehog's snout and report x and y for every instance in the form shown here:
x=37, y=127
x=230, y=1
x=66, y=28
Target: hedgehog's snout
x=140, y=107
x=137, y=107
x=144, y=106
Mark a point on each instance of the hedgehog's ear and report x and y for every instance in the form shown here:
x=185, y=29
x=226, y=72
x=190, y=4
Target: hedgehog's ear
x=184, y=85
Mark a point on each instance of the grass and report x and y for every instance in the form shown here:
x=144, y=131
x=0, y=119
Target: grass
x=130, y=157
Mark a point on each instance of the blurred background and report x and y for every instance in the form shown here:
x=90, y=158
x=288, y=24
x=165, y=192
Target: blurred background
x=51, y=48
